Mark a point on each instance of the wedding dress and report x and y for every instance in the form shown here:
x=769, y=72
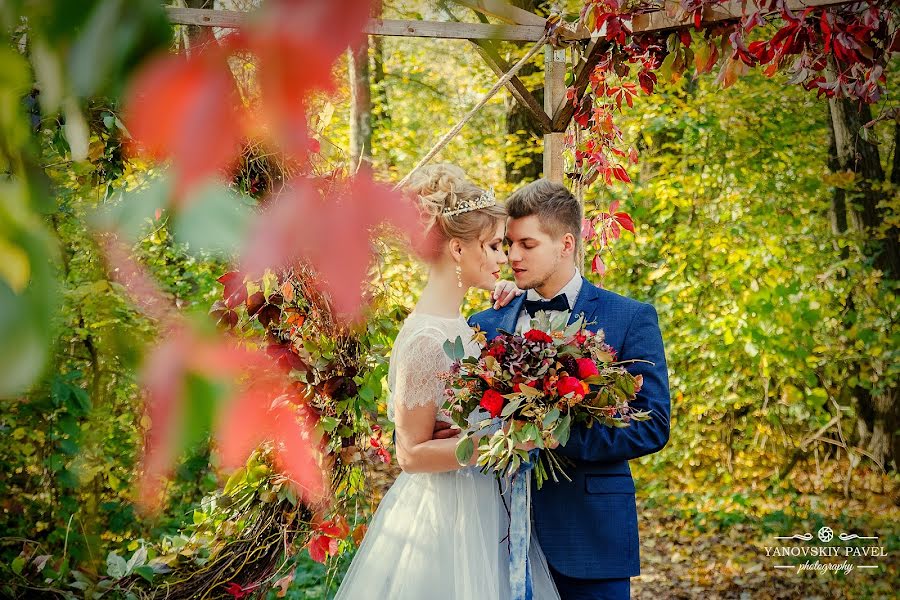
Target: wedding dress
x=437, y=536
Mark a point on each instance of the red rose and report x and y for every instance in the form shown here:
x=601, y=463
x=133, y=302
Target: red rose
x=536, y=335
x=580, y=338
x=492, y=402
x=496, y=351
x=568, y=385
x=586, y=368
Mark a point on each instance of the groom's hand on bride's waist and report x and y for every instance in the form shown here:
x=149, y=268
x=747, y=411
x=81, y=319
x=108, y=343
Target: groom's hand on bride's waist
x=444, y=430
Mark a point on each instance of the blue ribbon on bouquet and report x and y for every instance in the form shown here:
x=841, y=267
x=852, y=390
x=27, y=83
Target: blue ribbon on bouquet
x=520, y=531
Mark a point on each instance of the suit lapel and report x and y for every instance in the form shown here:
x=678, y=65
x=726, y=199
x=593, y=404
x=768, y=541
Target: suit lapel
x=510, y=315
x=586, y=303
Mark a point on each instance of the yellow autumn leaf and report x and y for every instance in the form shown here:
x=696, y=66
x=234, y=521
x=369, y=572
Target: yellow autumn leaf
x=15, y=267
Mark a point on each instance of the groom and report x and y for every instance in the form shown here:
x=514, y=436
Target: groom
x=587, y=528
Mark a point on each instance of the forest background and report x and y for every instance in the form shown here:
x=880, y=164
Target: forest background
x=779, y=323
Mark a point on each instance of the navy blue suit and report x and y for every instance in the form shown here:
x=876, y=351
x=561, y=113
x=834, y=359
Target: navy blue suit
x=588, y=528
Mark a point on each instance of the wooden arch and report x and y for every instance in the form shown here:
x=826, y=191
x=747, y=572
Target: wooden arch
x=519, y=25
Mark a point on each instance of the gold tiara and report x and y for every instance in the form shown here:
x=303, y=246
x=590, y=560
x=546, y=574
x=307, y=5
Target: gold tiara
x=485, y=200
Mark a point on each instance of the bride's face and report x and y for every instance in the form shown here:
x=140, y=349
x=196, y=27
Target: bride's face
x=480, y=260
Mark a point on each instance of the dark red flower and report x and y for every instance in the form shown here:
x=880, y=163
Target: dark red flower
x=492, y=402
x=586, y=368
x=536, y=335
x=497, y=350
x=568, y=385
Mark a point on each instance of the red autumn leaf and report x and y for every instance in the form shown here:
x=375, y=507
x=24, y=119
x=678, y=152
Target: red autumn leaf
x=297, y=43
x=235, y=292
x=587, y=230
x=336, y=527
x=624, y=219
x=597, y=266
x=326, y=536
x=142, y=290
x=613, y=228
x=285, y=357
x=163, y=380
x=647, y=80
x=236, y=591
x=633, y=155
x=359, y=533
x=255, y=303
x=186, y=109
x=224, y=316
x=321, y=547
x=894, y=46
x=621, y=174
x=254, y=413
x=303, y=225
x=269, y=314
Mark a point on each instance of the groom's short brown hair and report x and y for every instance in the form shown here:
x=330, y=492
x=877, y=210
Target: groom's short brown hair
x=557, y=210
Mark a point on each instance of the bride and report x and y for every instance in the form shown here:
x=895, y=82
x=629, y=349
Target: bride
x=441, y=531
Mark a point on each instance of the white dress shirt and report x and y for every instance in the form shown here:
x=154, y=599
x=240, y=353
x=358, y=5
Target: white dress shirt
x=571, y=291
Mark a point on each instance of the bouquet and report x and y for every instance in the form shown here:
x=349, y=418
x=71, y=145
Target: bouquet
x=526, y=390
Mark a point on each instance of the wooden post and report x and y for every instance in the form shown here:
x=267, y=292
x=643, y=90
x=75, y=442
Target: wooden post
x=360, y=108
x=554, y=96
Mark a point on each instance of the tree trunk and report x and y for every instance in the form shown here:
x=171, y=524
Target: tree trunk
x=877, y=414
x=381, y=114
x=360, y=109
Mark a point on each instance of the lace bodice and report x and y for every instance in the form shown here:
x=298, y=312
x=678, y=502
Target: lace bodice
x=418, y=358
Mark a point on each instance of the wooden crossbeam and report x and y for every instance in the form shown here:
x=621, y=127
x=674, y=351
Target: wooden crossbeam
x=489, y=53
x=520, y=25
x=460, y=31
x=660, y=21
x=504, y=11
x=388, y=27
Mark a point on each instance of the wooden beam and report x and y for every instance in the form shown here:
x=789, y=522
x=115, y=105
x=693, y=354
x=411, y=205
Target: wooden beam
x=595, y=50
x=489, y=53
x=460, y=31
x=554, y=99
x=207, y=17
x=660, y=21
x=504, y=11
x=411, y=28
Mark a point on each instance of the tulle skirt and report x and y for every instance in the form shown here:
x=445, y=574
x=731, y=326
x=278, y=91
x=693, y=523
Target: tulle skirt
x=441, y=536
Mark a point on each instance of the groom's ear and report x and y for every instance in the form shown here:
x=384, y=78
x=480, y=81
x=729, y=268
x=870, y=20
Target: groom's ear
x=570, y=245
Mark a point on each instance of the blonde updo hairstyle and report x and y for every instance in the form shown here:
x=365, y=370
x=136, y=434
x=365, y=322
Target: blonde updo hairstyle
x=443, y=187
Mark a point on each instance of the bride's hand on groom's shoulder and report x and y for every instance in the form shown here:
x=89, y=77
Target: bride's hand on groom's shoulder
x=504, y=292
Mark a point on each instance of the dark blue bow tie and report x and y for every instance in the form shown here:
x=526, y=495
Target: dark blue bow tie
x=560, y=302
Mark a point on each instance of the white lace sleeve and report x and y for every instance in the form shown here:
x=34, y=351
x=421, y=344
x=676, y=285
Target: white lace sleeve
x=417, y=364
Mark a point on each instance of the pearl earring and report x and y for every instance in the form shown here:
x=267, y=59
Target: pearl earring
x=458, y=276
